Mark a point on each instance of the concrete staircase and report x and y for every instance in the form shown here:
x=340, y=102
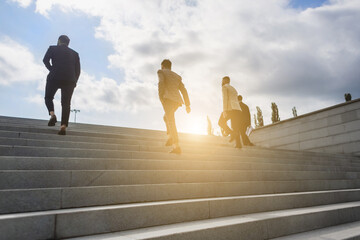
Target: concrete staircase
x=102, y=182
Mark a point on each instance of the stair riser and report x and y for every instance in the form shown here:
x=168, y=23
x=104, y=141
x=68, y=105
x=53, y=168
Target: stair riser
x=125, y=218
x=90, y=153
x=215, y=151
x=57, y=198
x=33, y=163
x=52, y=179
x=125, y=133
x=266, y=229
x=50, y=140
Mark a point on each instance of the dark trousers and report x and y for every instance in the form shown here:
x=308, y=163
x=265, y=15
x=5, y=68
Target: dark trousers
x=235, y=116
x=223, y=123
x=67, y=90
x=170, y=108
x=244, y=137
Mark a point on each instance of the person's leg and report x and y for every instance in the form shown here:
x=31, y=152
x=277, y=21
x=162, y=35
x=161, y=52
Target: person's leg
x=235, y=125
x=169, y=141
x=223, y=124
x=244, y=137
x=50, y=91
x=170, y=109
x=67, y=91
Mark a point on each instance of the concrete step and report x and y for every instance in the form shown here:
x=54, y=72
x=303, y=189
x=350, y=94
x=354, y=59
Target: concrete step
x=14, y=150
x=119, y=139
x=24, y=200
x=106, y=138
x=24, y=179
x=101, y=179
x=95, y=220
x=348, y=231
x=114, y=132
x=89, y=130
x=56, y=163
x=144, y=146
x=265, y=225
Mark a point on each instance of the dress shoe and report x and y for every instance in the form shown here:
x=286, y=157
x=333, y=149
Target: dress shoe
x=176, y=150
x=62, y=132
x=52, y=121
x=232, y=138
x=169, y=142
x=224, y=133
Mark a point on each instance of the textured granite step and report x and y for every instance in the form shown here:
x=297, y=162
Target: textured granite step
x=265, y=225
x=24, y=179
x=348, y=231
x=103, y=179
x=94, y=220
x=17, y=200
x=248, y=163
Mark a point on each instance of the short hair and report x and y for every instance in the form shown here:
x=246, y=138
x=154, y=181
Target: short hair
x=226, y=79
x=63, y=39
x=240, y=98
x=166, y=63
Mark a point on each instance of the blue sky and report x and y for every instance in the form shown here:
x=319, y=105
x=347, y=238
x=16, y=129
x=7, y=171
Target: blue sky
x=299, y=53
x=304, y=4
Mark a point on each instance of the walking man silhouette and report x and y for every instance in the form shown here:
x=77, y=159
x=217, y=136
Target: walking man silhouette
x=64, y=72
x=245, y=122
x=170, y=83
x=231, y=110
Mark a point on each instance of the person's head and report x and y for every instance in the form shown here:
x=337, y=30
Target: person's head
x=166, y=64
x=225, y=80
x=239, y=98
x=63, y=40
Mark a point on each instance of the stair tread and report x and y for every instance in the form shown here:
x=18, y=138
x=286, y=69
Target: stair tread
x=339, y=232
x=178, y=228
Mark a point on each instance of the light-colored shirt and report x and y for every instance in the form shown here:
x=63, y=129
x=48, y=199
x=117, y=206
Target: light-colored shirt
x=230, y=98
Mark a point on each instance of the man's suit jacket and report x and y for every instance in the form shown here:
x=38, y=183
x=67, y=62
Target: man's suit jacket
x=230, y=101
x=169, y=86
x=65, y=64
x=245, y=115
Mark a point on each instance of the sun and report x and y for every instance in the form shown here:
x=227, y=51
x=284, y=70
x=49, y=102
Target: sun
x=195, y=125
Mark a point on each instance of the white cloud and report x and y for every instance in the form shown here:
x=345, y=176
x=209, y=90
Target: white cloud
x=17, y=63
x=23, y=3
x=271, y=51
x=106, y=95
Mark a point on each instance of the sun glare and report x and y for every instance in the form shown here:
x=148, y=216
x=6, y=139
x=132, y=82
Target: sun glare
x=196, y=125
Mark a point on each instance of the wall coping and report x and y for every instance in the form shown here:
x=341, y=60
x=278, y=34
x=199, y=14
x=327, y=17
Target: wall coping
x=309, y=114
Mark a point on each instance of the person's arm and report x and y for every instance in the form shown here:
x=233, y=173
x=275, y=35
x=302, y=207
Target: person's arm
x=161, y=85
x=77, y=67
x=46, y=59
x=185, y=95
x=225, y=98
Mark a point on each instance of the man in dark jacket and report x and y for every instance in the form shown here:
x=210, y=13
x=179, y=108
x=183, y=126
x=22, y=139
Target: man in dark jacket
x=245, y=121
x=64, y=74
x=170, y=86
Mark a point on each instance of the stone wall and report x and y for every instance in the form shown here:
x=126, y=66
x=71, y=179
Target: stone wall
x=335, y=130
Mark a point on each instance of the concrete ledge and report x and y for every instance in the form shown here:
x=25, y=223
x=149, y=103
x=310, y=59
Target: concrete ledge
x=324, y=129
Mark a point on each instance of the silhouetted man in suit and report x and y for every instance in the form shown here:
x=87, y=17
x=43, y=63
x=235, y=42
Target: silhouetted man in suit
x=231, y=110
x=245, y=121
x=170, y=84
x=64, y=74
